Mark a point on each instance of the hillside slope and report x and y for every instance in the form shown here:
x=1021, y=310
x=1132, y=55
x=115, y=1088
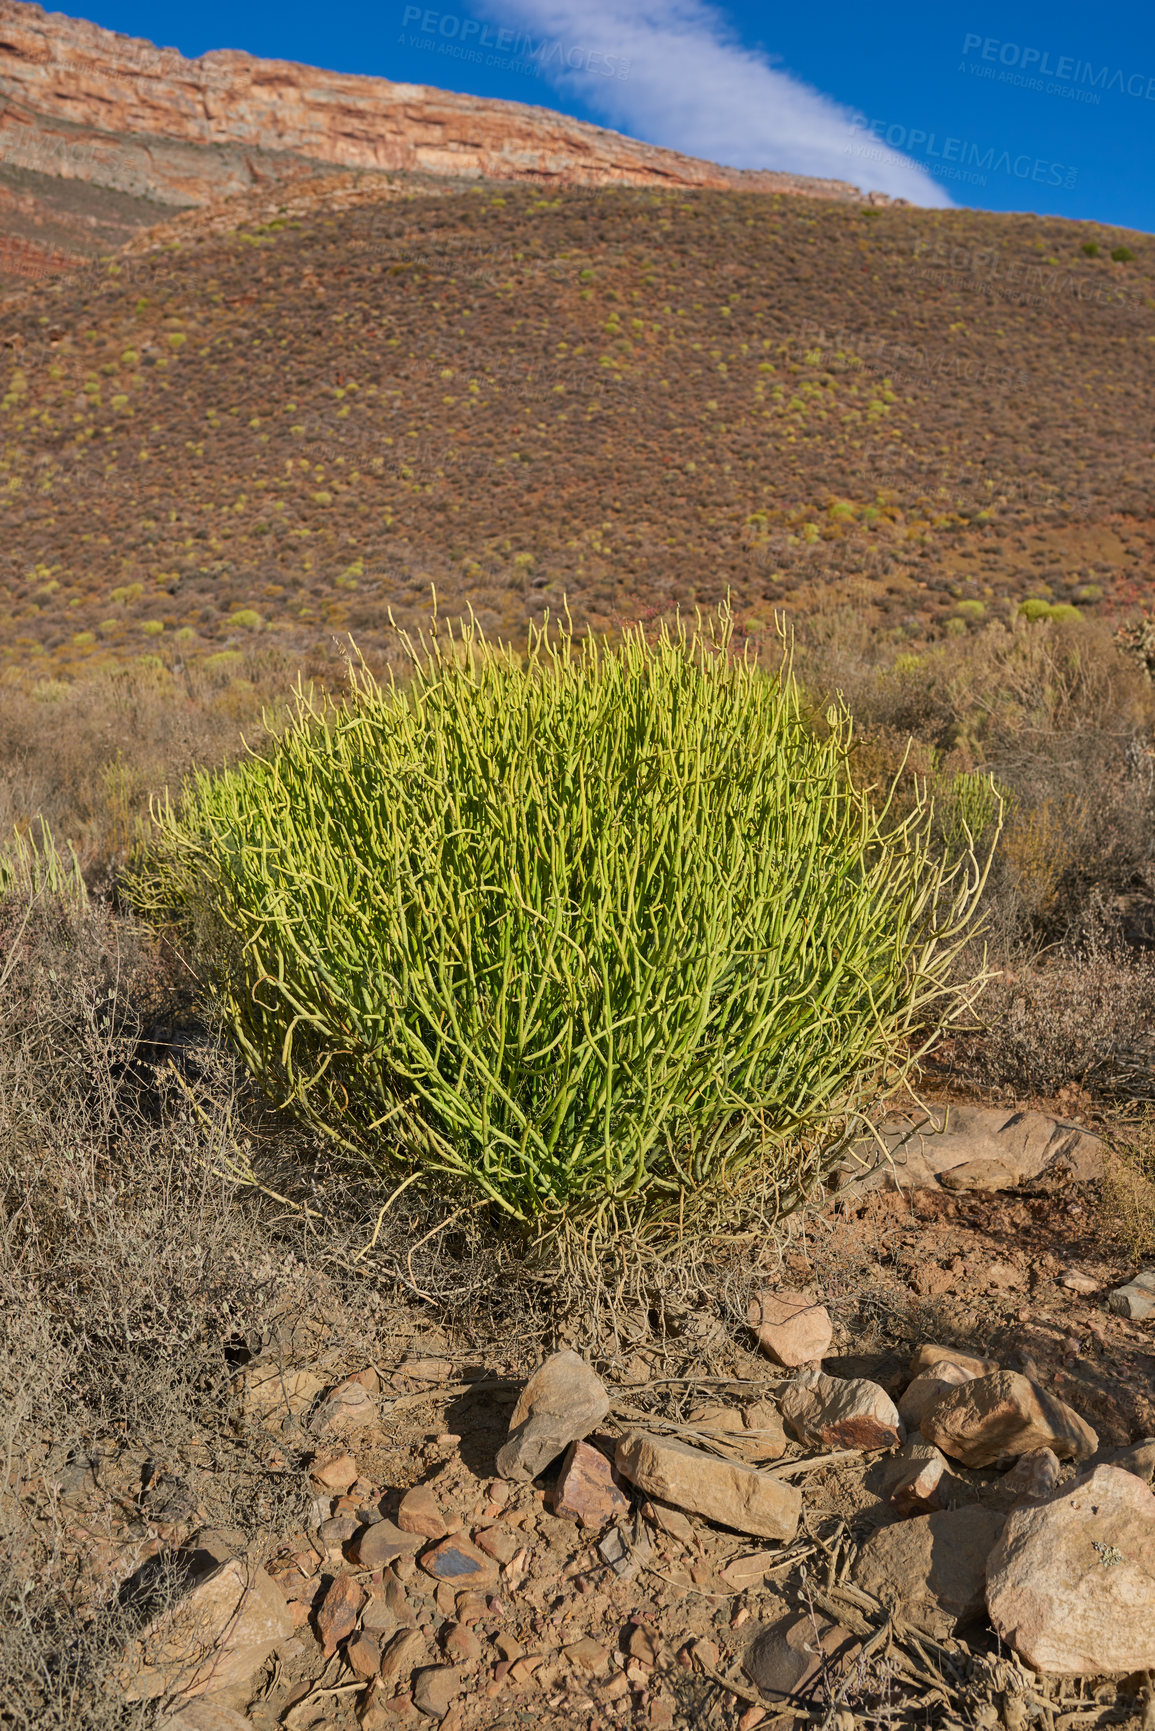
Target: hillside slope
x=629, y=398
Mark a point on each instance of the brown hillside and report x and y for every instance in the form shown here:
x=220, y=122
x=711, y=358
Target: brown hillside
x=631, y=399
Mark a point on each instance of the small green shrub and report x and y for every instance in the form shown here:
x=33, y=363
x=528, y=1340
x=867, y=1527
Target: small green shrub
x=1036, y=608
x=593, y=928
x=1091, y=248
x=1122, y=254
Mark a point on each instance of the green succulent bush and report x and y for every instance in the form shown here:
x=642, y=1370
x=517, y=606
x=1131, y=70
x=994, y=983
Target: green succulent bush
x=588, y=928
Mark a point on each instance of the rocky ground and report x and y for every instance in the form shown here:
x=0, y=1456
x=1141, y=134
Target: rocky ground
x=912, y=1486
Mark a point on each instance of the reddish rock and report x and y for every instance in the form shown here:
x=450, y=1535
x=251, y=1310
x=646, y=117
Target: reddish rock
x=381, y=1543
x=588, y=1488
x=364, y=1654
x=927, y=1388
x=825, y=1412
x=214, y=1637
x=421, y=1513
x=927, y=1357
x=791, y=1327
x=335, y=1475
x=991, y=1417
x=338, y=1612
x=498, y=1543
x=922, y=1491
x=97, y=105
x=1071, y=1583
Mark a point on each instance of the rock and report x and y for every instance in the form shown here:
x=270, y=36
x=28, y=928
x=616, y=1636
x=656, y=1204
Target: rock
x=750, y=1570
x=789, y=1660
x=216, y=1635
x=271, y=1393
x=1136, y=1299
x=1138, y=1459
x=207, y=1715
x=498, y=1543
x=1076, y=1281
x=461, y=1645
x=909, y=1460
x=588, y=1489
x=98, y=105
x=338, y=1612
x=791, y=1327
x=335, y=1533
x=719, y=1420
x=1033, y=1478
x=765, y=1438
x=561, y=1403
x=1071, y=1583
x=668, y=1520
x=729, y=1492
x=381, y=1543
x=459, y=1562
x=823, y=1412
x=345, y=1410
x=336, y=1475
x=925, y=1390
x=587, y=1654
x=984, y=1175
x=990, y=1417
x=421, y=1513
x=403, y=1653
x=644, y=1645
x=970, y=1147
x=364, y=1654
x=927, y=1357
x=933, y=1567
x=435, y=1689
x=922, y=1490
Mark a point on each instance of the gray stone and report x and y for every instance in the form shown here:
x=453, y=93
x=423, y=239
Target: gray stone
x=1136, y=1299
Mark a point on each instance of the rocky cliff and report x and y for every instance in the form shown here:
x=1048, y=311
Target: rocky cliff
x=84, y=103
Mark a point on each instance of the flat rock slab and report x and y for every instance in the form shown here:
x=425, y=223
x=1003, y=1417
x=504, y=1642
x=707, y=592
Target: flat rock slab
x=563, y=1401
x=1071, y=1583
x=976, y=1148
x=991, y=1417
x=932, y=1567
x=728, y=1492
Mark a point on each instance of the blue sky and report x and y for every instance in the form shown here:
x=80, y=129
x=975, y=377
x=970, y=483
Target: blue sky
x=1048, y=108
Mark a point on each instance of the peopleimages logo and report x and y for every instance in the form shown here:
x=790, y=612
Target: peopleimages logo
x=1012, y=63
x=468, y=39
x=957, y=159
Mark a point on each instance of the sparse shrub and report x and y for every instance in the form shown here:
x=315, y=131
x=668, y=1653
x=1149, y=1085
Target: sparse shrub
x=595, y=928
x=1122, y=254
x=1091, y=248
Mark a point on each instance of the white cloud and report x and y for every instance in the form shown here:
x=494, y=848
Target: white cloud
x=693, y=86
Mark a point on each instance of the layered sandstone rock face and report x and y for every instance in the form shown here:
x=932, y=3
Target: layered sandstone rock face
x=87, y=104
